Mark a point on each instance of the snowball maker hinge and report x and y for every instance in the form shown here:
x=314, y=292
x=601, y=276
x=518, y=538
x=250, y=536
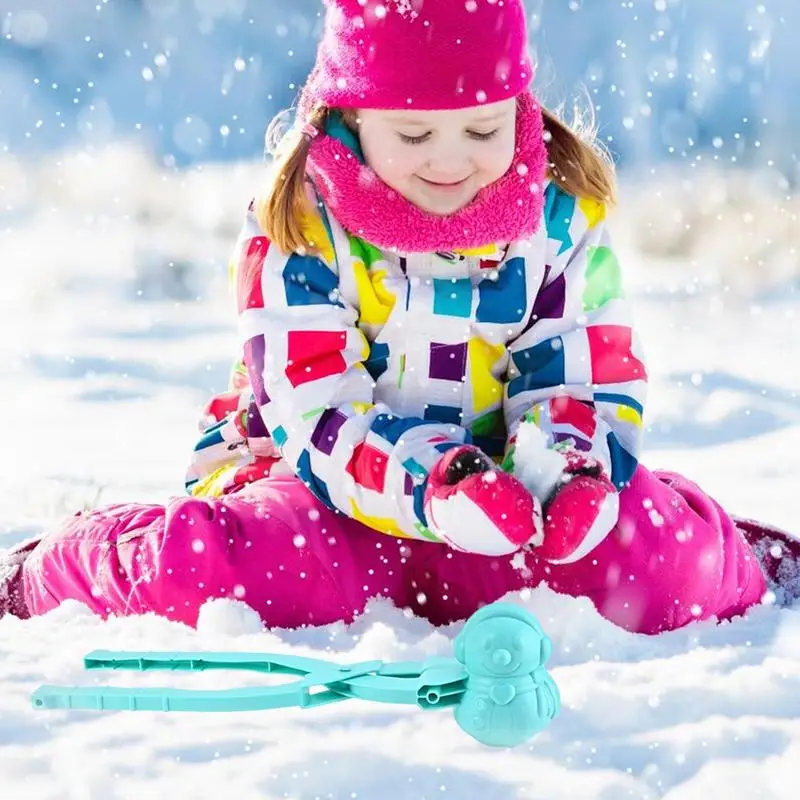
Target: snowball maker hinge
x=496, y=685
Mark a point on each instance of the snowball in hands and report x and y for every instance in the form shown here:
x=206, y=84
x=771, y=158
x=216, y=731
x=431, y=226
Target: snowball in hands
x=538, y=467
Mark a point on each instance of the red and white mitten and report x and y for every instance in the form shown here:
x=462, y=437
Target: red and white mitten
x=579, y=501
x=477, y=508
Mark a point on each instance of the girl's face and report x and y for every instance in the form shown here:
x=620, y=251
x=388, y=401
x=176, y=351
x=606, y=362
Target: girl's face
x=439, y=160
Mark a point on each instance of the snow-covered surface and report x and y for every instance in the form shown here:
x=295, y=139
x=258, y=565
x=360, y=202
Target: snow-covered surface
x=115, y=330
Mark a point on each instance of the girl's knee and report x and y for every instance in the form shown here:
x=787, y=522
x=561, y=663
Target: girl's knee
x=241, y=548
x=101, y=526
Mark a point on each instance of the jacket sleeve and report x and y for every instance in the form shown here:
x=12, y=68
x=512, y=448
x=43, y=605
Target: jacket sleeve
x=305, y=357
x=577, y=371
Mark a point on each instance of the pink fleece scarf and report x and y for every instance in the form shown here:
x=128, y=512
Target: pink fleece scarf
x=506, y=211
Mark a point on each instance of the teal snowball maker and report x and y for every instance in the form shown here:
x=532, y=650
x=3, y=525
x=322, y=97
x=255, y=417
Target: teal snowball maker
x=497, y=683
x=508, y=695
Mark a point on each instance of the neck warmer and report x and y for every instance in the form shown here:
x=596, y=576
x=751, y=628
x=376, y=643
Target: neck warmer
x=508, y=210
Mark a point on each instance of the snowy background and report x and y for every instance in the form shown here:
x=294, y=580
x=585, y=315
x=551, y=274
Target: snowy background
x=130, y=141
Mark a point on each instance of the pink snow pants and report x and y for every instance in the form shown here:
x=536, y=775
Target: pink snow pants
x=674, y=557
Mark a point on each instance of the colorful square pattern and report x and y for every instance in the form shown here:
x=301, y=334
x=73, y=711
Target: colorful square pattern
x=314, y=355
x=448, y=362
x=452, y=298
x=249, y=293
x=368, y=467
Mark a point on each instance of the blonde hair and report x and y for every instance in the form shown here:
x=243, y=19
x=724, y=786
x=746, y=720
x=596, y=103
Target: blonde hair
x=577, y=161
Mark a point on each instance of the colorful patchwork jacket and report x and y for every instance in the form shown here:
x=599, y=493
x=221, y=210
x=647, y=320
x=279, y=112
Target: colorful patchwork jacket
x=360, y=367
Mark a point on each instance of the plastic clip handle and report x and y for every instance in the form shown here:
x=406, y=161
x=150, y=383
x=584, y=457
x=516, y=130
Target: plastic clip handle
x=118, y=699
x=190, y=661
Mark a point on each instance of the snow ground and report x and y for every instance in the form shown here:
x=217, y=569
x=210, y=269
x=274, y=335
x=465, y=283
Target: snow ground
x=113, y=336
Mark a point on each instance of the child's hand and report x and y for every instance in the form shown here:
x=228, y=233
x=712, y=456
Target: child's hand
x=475, y=507
x=580, y=511
x=579, y=501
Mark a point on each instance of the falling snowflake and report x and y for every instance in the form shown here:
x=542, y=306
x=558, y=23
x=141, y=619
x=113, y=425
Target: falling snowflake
x=405, y=8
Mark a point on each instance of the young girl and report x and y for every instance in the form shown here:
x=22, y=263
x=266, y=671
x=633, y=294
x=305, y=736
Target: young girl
x=425, y=291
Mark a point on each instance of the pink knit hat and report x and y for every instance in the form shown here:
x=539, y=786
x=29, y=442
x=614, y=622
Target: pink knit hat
x=422, y=54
